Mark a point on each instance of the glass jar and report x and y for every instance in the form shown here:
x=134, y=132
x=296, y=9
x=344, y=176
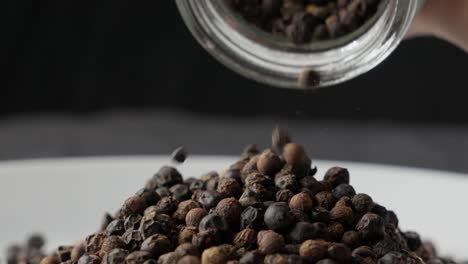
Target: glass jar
x=272, y=60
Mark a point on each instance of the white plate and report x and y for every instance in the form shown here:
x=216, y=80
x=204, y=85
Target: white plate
x=66, y=198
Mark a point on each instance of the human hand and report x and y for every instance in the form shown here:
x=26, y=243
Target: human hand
x=445, y=19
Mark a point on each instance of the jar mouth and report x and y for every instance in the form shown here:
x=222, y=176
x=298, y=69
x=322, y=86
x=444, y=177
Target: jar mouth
x=262, y=37
x=263, y=58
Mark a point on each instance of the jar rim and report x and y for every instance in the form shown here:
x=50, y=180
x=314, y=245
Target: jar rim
x=283, y=68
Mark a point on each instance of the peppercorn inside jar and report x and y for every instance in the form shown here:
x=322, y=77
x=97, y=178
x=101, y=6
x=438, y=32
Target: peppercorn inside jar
x=299, y=43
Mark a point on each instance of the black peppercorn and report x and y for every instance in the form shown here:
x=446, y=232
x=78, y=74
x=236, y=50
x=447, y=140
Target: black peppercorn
x=371, y=227
x=351, y=239
x=325, y=199
x=207, y=238
x=156, y=245
x=167, y=176
x=339, y=252
x=362, y=203
x=344, y=190
x=337, y=176
x=180, y=192
x=213, y=221
x=115, y=256
x=179, y=154
x=252, y=257
x=303, y=231
x=115, y=228
x=277, y=216
x=413, y=240
x=252, y=217
x=209, y=199
x=151, y=197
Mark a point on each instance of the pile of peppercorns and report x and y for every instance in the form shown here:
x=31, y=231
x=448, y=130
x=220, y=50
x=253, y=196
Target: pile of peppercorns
x=305, y=21
x=268, y=207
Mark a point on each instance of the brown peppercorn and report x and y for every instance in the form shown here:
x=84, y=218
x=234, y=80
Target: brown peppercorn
x=230, y=209
x=229, y=187
x=276, y=259
x=183, y=208
x=189, y=260
x=294, y=154
x=344, y=202
x=137, y=257
x=133, y=205
x=270, y=242
x=132, y=239
x=362, y=203
x=250, y=167
x=194, y=216
x=245, y=238
x=186, y=234
x=269, y=163
x=94, y=243
x=187, y=249
x=301, y=201
x=342, y=214
x=156, y=245
x=110, y=243
x=168, y=258
x=50, y=260
x=335, y=230
x=219, y=254
x=313, y=250
x=325, y=199
x=77, y=251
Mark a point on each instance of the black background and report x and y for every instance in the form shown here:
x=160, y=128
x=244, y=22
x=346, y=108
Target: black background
x=82, y=56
